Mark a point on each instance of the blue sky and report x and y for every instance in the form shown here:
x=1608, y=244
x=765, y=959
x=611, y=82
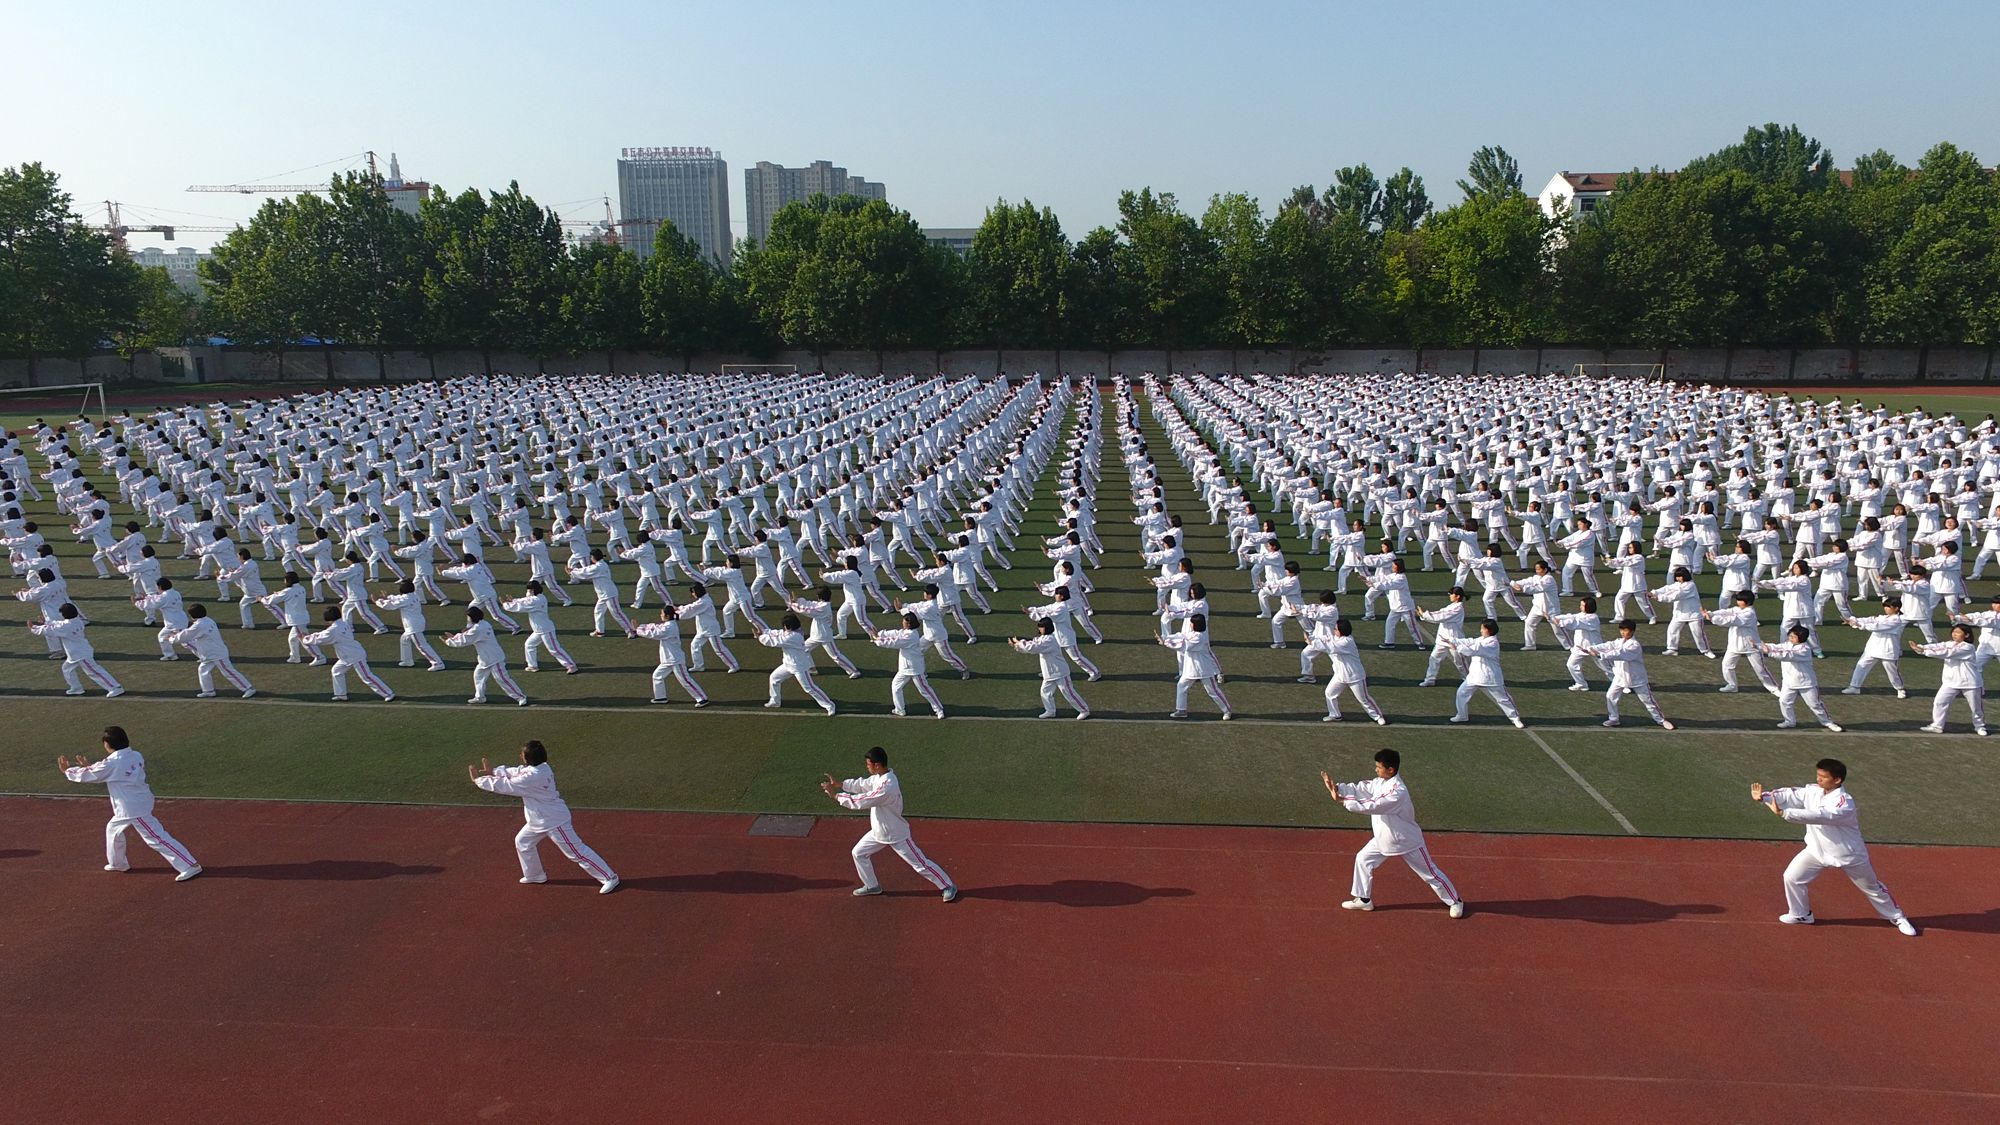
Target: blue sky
x=953, y=105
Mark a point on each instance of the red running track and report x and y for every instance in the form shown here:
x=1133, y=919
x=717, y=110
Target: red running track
x=380, y=963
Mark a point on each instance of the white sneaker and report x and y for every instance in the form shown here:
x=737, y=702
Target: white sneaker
x=1728, y=688
x=109, y=867
x=1381, y=720
x=1519, y=725
x=1329, y=718
x=1614, y=722
x=1905, y=927
x=1459, y=719
x=1850, y=691
x=1357, y=904
x=864, y=892
x=608, y=887
x=1796, y=920
x=1046, y=715
x=1575, y=687
x=188, y=874
x=114, y=693
x=1928, y=729
x=1177, y=714
x=1788, y=724
x=1458, y=909
x=1667, y=725
x=543, y=879
x=1902, y=694
x=1835, y=728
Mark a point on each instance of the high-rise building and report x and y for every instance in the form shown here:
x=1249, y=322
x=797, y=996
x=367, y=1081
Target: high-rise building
x=406, y=196
x=686, y=186
x=768, y=187
x=180, y=265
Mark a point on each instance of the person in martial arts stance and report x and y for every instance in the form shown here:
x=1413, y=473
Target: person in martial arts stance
x=1385, y=799
x=204, y=639
x=78, y=657
x=1196, y=663
x=1348, y=674
x=882, y=795
x=1833, y=839
x=667, y=631
x=1961, y=678
x=123, y=772
x=491, y=658
x=1797, y=679
x=1055, y=660
x=547, y=816
x=348, y=655
x=795, y=662
x=1482, y=673
x=1627, y=662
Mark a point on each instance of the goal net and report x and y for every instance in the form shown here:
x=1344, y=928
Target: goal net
x=760, y=369
x=1652, y=371
x=61, y=394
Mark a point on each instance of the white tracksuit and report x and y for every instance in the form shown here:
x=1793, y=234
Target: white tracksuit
x=547, y=817
x=882, y=795
x=1393, y=818
x=1833, y=839
x=123, y=773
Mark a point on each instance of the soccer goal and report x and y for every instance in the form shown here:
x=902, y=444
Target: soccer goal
x=760, y=369
x=58, y=393
x=1653, y=372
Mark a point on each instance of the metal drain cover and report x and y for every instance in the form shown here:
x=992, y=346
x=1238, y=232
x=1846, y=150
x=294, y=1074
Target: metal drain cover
x=775, y=824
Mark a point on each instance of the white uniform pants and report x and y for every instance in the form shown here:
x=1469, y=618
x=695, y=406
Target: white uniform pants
x=904, y=679
x=90, y=668
x=483, y=672
x=1371, y=856
x=1694, y=627
x=867, y=846
x=527, y=843
x=359, y=668
x=1788, y=699
x=1804, y=869
x=1211, y=684
x=1763, y=669
x=1892, y=667
x=1642, y=692
x=1941, y=705
x=1498, y=695
x=1061, y=686
x=539, y=641
x=713, y=641
x=156, y=837
x=1358, y=689
x=783, y=672
x=204, y=674
x=412, y=645
x=679, y=674
x=605, y=610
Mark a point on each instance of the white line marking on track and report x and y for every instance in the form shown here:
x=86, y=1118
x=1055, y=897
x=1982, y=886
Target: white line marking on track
x=1579, y=779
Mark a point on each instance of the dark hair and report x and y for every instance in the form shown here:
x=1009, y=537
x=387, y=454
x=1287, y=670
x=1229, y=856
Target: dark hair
x=878, y=755
x=1834, y=766
x=534, y=753
x=114, y=737
x=197, y=611
x=1389, y=758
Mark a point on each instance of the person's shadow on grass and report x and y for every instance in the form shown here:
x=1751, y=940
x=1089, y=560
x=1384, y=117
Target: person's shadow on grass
x=1605, y=910
x=733, y=883
x=323, y=870
x=1076, y=892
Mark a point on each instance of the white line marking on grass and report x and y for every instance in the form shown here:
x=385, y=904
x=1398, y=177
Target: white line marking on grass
x=1587, y=786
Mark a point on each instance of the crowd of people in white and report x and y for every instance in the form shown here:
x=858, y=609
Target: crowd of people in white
x=384, y=502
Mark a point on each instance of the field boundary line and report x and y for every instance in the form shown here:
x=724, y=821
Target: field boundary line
x=1605, y=804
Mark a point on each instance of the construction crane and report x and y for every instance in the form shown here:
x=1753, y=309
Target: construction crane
x=291, y=189
x=115, y=225
x=606, y=229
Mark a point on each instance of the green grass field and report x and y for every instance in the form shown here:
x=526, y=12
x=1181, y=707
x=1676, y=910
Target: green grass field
x=992, y=758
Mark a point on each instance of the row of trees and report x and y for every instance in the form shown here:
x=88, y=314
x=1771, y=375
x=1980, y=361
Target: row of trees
x=1761, y=242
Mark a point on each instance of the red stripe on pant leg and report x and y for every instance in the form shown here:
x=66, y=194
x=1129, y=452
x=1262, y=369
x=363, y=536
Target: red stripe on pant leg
x=158, y=837
x=1438, y=875
x=596, y=872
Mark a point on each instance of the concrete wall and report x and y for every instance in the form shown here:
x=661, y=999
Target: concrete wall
x=310, y=366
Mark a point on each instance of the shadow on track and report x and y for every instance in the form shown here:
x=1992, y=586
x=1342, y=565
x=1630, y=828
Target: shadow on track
x=19, y=853
x=324, y=870
x=734, y=883
x=1607, y=910
x=1076, y=892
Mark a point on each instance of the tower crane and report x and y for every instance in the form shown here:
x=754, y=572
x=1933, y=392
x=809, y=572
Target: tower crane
x=291, y=189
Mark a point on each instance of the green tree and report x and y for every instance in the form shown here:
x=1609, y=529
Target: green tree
x=1104, y=293
x=1018, y=277
x=1933, y=270
x=601, y=299
x=1494, y=174
x=1404, y=204
x=1234, y=225
x=1774, y=154
x=1173, y=267
x=166, y=314
x=677, y=294
x=63, y=290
